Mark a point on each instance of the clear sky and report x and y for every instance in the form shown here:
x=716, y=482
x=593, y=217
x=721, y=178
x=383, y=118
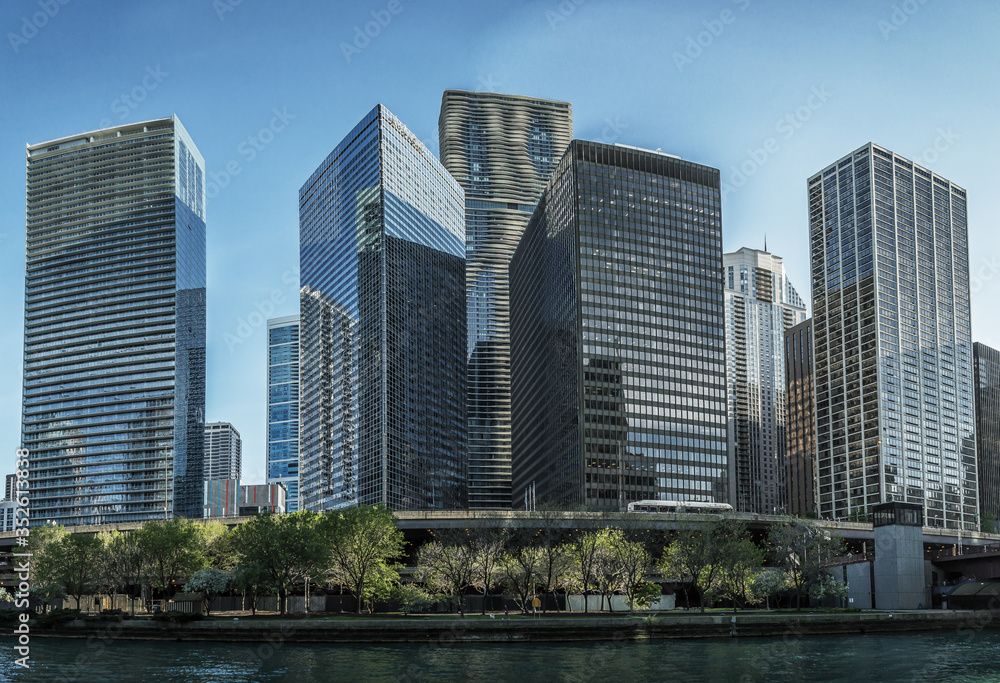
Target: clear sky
x=780, y=89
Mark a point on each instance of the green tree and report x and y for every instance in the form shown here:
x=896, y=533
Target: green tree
x=739, y=562
x=281, y=551
x=250, y=581
x=46, y=563
x=988, y=523
x=487, y=545
x=76, y=564
x=172, y=551
x=519, y=566
x=124, y=563
x=692, y=559
x=803, y=550
x=217, y=545
x=411, y=598
x=631, y=561
x=364, y=543
x=585, y=554
x=768, y=583
x=210, y=583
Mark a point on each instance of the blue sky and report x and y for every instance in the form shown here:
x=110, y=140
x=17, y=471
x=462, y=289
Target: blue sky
x=777, y=89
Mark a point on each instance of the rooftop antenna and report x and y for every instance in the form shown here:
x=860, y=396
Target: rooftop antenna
x=765, y=242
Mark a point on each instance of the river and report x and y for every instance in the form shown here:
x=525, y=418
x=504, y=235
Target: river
x=965, y=656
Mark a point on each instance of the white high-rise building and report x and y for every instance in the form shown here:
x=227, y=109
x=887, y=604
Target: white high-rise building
x=223, y=451
x=893, y=344
x=761, y=304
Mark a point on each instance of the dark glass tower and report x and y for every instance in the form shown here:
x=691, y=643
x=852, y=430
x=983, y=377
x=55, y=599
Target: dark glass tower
x=987, y=364
x=618, y=377
x=502, y=150
x=114, y=350
x=800, y=437
x=382, y=325
x=892, y=339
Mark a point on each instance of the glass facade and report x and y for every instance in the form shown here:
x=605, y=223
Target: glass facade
x=618, y=377
x=502, y=150
x=800, y=437
x=283, y=406
x=761, y=304
x=987, y=366
x=893, y=346
x=114, y=351
x=223, y=452
x=382, y=325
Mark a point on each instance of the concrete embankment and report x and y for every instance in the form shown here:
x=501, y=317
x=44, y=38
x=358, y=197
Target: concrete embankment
x=437, y=630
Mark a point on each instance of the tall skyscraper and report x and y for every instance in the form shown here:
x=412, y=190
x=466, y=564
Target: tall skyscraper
x=114, y=345
x=761, y=304
x=893, y=349
x=10, y=487
x=987, y=381
x=283, y=406
x=618, y=377
x=502, y=150
x=223, y=451
x=800, y=433
x=383, y=335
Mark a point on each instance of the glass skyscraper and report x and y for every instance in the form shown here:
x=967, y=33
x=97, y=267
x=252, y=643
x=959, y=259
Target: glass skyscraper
x=114, y=350
x=800, y=405
x=283, y=406
x=761, y=304
x=618, y=376
x=892, y=341
x=223, y=451
x=383, y=335
x=987, y=365
x=502, y=150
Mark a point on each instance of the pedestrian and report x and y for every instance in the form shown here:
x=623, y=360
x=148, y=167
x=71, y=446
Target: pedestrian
x=505, y=611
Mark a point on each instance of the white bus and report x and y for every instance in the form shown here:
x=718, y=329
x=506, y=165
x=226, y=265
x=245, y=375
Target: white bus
x=679, y=506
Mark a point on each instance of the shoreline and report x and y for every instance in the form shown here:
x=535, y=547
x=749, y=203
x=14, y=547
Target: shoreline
x=420, y=630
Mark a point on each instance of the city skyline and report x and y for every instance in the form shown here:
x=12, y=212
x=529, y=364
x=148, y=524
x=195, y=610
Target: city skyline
x=263, y=138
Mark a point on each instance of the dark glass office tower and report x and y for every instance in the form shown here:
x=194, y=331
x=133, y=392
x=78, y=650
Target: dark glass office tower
x=618, y=377
x=892, y=340
x=800, y=437
x=114, y=350
x=987, y=366
x=502, y=150
x=382, y=325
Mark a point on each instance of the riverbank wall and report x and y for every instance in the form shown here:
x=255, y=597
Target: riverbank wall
x=532, y=630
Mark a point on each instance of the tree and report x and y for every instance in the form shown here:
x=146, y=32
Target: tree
x=804, y=551
x=692, y=559
x=768, y=583
x=739, y=560
x=249, y=580
x=585, y=553
x=280, y=551
x=411, y=598
x=210, y=583
x=519, y=566
x=364, y=543
x=217, y=545
x=43, y=545
x=124, y=563
x=631, y=561
x=487, y=545
x=556, y=567
x=450, y=569
x=172, y=551
x=75, y=563
x=988, y=523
